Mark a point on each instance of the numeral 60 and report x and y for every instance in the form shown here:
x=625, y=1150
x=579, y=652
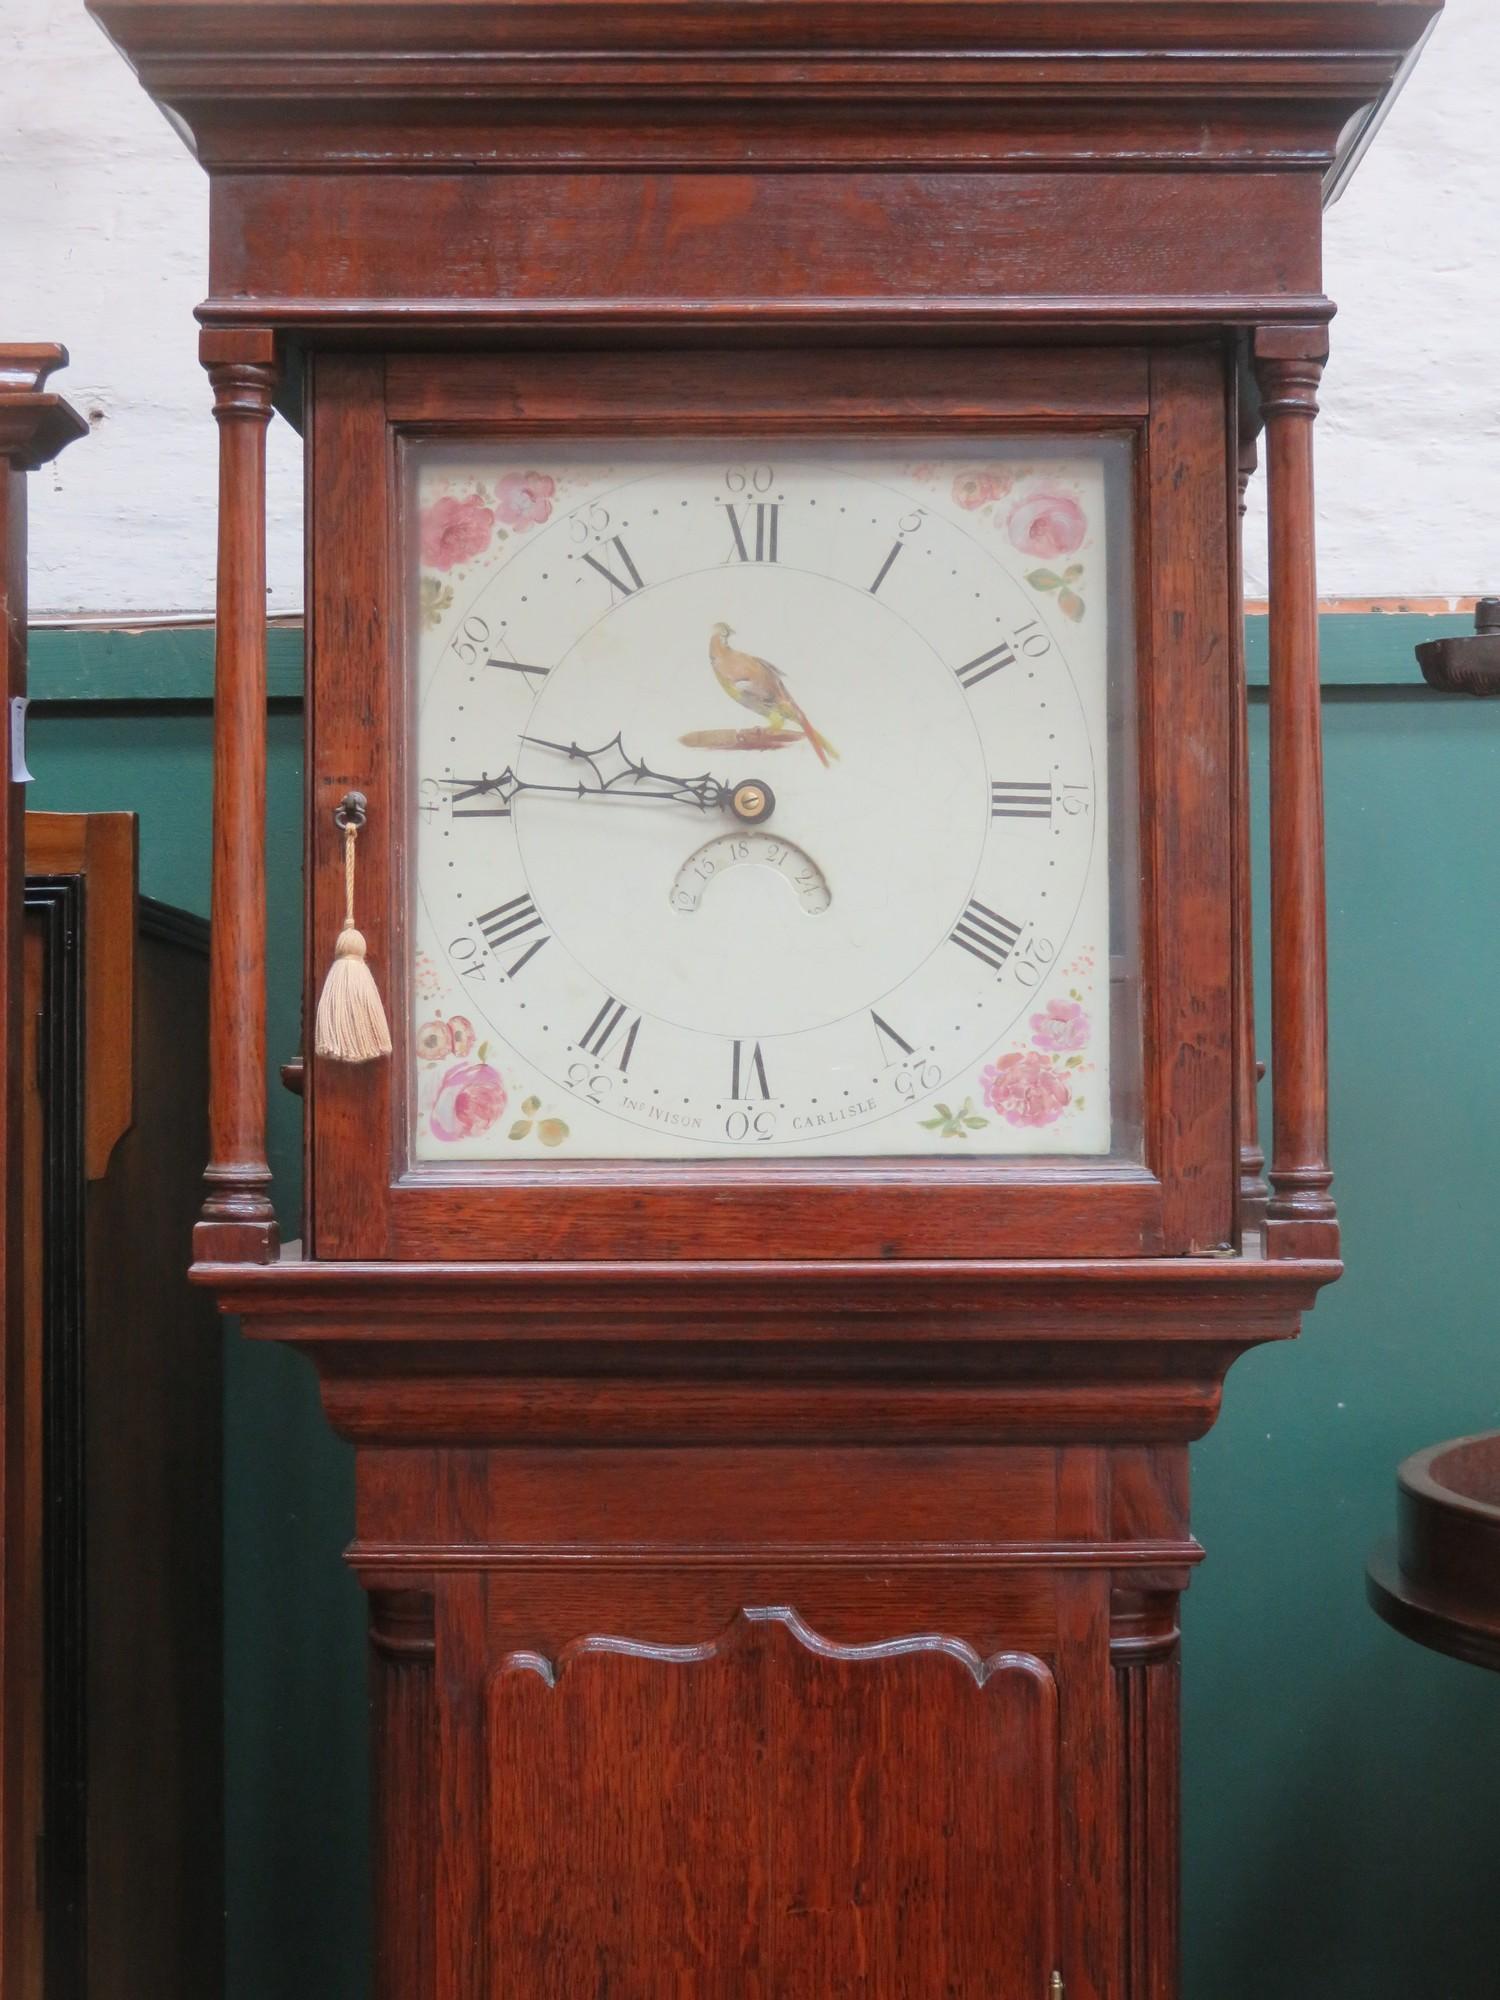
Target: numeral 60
x=749, y=478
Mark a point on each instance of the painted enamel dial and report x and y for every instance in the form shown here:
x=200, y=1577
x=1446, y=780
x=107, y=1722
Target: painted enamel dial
x=760, y=800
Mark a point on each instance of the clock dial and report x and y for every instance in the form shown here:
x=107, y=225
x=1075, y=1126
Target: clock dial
x=761, y=800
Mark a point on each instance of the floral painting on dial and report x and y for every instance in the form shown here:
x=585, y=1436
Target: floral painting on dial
x=461, y=1094
x=1038, y=1081
x=466, y=521
x=1040, y=516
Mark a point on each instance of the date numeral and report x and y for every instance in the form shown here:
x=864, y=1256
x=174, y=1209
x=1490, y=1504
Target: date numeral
x=987, y=935
x=509, y=924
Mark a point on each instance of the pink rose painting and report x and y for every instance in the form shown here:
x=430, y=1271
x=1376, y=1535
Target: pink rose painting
x=455, y=531
x=976, y=488
x=1063, y=1026
x=440, y=1038
x=524, y=499
x=1025, y=1089
x=433, y=1042
x=470, y=1097
x=1046, y=524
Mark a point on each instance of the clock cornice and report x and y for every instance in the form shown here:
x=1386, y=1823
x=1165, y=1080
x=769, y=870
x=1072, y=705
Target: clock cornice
x=346, y=85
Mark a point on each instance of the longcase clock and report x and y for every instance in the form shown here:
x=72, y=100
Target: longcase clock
x=776, y=716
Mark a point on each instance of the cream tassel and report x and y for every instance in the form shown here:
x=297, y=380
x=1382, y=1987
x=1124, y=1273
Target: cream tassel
x=350, y=1025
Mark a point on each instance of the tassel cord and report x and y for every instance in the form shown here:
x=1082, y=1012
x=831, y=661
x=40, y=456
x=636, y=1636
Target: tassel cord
x=351, y=1023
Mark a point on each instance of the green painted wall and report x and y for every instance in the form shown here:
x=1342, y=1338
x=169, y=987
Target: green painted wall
x=294, y=1619
x=1343, y=1785
x=1341, y=1796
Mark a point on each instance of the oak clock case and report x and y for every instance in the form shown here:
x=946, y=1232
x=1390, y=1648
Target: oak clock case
x=773, y=1538
x=762, y=801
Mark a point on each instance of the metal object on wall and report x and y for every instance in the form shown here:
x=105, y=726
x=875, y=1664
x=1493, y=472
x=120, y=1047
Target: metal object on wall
x=1466, y=665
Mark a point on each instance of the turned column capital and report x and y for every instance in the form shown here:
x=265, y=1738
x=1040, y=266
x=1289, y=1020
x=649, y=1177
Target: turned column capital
x=1289, y=363
x=242, y=367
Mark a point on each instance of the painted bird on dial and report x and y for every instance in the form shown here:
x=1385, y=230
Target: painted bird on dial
x=756, y=684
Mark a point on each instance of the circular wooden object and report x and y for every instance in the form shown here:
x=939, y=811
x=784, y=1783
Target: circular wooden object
x=1439, y=1581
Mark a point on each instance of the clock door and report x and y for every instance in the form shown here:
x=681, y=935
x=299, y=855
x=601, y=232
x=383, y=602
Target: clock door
x=754, y=761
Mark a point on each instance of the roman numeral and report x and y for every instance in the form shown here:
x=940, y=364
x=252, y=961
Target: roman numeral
x=748, y=1069
x=885, y=568
x=602, y=1030
x=1017, y=800
x=980, y=669
x=507, y=924
x=614, y=582
x=480, y=788
x=887, y=1037
x=986, y=935
x=515, y=667
x=767, y=519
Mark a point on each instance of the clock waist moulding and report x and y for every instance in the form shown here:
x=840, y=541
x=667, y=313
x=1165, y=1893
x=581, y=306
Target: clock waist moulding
x=773, y=1561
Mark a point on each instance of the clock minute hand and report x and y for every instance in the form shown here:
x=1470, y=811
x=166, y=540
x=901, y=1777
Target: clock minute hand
x=507, y=785
x=616, y=774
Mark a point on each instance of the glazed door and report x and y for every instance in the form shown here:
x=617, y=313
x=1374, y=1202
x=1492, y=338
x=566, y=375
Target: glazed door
x=590, y=1067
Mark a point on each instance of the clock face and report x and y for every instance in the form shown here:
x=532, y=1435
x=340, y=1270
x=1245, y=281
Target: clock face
x=760, y=797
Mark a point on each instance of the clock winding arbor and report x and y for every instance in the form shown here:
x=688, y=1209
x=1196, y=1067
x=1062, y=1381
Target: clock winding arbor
x=773, y=1558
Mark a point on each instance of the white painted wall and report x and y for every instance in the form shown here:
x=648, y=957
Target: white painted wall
x=1409, y=439
x=104, y=210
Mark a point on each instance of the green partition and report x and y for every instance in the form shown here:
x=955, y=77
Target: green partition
x=1342, y=1810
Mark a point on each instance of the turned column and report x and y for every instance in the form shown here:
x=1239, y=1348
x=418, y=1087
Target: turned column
x=1253, y=1190
x=239, y=1224
x=1301, y=1220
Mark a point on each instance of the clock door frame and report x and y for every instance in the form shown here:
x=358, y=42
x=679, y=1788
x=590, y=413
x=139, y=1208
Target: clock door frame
x=1173, y=403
